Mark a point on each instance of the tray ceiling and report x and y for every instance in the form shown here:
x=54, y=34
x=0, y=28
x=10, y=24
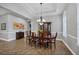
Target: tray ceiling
x=33, y=10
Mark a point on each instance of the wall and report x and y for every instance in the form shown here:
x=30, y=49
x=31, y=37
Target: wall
x=11, y=30
x=71, y=39
x=10, y=33
x=55, y=26
x=3, y=33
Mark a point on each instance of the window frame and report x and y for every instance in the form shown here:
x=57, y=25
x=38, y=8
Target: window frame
x=64, y=24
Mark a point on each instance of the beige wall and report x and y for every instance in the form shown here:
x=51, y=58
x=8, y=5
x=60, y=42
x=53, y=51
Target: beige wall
x=71, y=39
x=71, y=12
x=10, y=33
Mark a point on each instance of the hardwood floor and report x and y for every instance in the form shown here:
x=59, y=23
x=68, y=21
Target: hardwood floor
x=20, y=47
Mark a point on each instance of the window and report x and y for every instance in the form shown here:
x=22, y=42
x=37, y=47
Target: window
x=64, y=25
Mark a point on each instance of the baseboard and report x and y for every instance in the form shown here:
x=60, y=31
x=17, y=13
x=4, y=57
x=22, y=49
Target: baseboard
x=59, y=39
x=71, y=36
x=7, y=39
x=68, y=47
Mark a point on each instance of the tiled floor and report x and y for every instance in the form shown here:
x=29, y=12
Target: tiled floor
x=20, y=47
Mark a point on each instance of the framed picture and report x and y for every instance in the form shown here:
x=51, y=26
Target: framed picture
x=18, y=25
x=3, y=26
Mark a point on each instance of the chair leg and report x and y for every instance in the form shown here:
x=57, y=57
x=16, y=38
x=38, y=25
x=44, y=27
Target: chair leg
x=29, y=41
x=50, y=44
x=40, y=45
x=35, y=43
x=26, y=39
x=54, y=45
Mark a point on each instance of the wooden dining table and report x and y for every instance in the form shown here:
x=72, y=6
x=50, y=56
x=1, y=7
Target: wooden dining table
x=44, y=40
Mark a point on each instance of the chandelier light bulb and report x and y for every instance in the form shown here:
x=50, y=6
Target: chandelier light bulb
x=41, y=23
x=38, y=20
x=43, y=20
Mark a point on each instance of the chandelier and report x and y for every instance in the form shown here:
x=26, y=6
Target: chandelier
x=41, y=20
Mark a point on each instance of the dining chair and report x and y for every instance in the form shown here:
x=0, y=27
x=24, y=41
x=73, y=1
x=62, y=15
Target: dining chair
x=53, y=41
x=33, y=39
x=27, y=36
x=43, y=39
x=40, y=39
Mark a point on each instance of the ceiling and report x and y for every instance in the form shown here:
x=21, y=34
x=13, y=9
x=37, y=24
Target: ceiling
x=33, y=10
x=3, y=11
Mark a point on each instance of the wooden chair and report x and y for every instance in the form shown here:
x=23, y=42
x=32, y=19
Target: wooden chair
x=27, y=36
x=53, y=41
x=33, y=39
x=43, y=39
x=40, y=39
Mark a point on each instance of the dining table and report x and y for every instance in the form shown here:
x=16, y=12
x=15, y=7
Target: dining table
x=44, y=40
